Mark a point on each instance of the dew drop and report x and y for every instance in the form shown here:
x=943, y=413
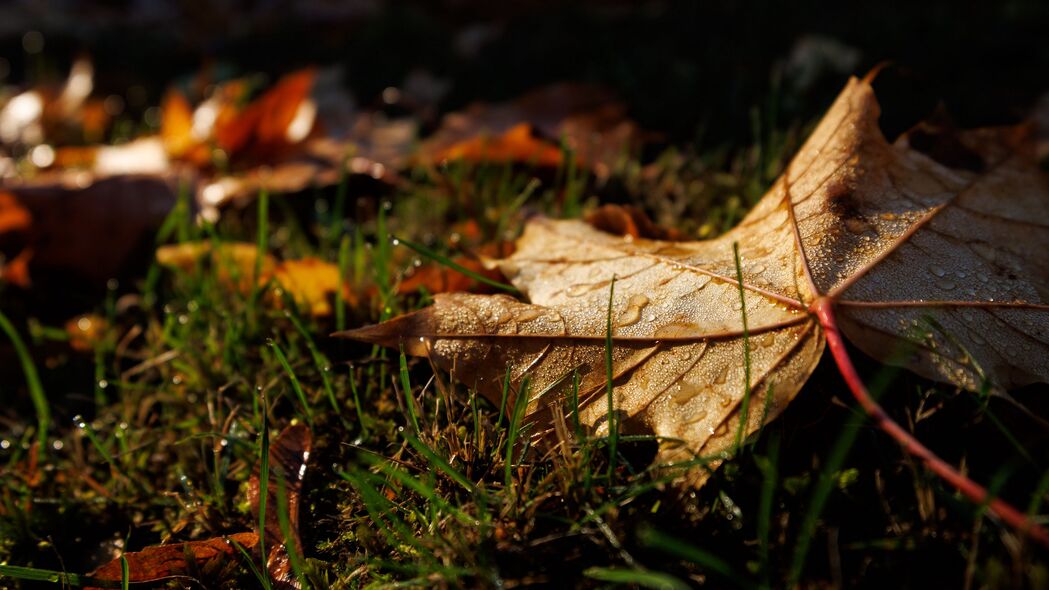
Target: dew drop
x=937, y=270
x=527, y=315
x=946, y=284
x=682, y=394
x=721, y=377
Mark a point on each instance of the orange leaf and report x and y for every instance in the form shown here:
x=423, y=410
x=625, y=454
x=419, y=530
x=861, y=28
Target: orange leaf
x=176, y=124
x=517, y=144
x=627, y=220
x=312, y=282
x=263, y=126
x=85, y=331
x=178, y=559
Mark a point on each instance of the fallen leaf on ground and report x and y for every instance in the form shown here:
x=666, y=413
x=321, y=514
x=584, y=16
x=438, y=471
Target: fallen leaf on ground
x=310, y=281
x=910, y=253
x=161, y=562
x=435, y=277
x=94, y=231
x=530, y=129
x=627, y=220
x=516, y=144
x=289, y=454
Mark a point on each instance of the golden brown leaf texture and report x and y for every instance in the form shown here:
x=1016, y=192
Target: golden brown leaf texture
x=913, y=250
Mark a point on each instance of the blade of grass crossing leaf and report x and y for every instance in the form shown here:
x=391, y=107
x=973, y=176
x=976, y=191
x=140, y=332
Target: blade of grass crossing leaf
x=264, y=483
x=125, y=575
x=284, y=522
x=636, y=577
x=502, y=401
x=296, y=386
x=613, y=427
x=448, y=262
x=264, y=581
x=406, y=387
x=36, y=390
x=745, y=405
x=520, y=403
x=573, y=401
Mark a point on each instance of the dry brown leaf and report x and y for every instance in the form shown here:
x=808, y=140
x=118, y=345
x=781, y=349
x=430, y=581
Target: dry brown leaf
x=909, y=251
x=94, y=231
x=530, y=129
x=176, y=560
x=289, y=455
x=517, y=144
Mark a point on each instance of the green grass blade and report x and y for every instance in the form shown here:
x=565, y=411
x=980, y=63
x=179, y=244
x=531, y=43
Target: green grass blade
x=659, y=541
x=36, y=390
x=294, y=379
x=745, y=406
x=32, y=574
x=440, y=463
x=406, y=386
x=613, y=427
x=448, y=262
x=637, y=577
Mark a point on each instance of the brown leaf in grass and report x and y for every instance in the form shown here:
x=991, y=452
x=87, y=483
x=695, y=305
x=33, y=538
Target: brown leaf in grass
x=933, y=245
x=436, y=278
x=289, y=454
x=310, y=281
x=93, y=232
x=627, y=220
x=530, y=129
x=516, y=144
x=162, y=562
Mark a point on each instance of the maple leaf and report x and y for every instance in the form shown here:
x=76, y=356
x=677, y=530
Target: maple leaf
x=912, y=245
